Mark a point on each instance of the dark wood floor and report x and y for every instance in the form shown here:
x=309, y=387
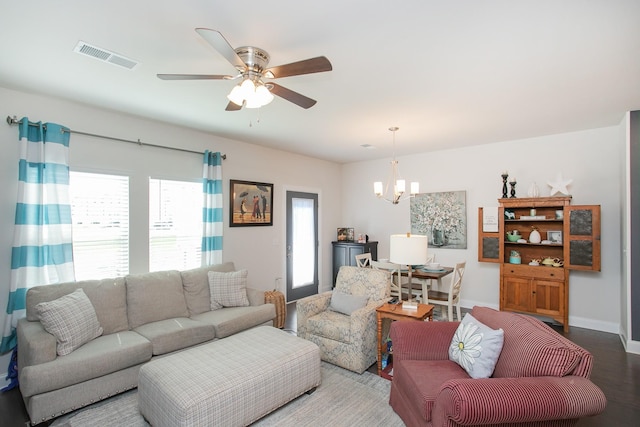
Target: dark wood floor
x=616, y=372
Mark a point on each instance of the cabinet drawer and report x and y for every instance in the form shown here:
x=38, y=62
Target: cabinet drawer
x=539, y=272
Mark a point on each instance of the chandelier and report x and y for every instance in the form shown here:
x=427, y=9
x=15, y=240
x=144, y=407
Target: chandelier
x=253, y=94
x=395, y=187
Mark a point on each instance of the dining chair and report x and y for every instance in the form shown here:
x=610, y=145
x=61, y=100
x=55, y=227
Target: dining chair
x=450, y=298
x=399, y=283
x=363, y=260
x=394, y=276
x=430, y=258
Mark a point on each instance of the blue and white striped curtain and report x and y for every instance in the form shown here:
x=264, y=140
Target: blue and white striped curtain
x=212, y=209
x=42, y=247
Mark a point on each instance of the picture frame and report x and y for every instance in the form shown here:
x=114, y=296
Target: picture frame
x=554, y=236
x=346, y=234
x=442, y=217
x=250, y=203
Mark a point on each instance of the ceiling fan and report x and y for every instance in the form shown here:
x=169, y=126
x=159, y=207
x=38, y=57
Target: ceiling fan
x=251, y=63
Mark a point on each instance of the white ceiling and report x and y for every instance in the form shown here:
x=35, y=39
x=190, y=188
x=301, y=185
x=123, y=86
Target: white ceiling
x=448, y=73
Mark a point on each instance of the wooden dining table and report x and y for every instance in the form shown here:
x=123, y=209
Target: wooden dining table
x=425, y=275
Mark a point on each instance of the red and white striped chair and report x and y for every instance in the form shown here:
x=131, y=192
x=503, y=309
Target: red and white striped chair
x=540, y=378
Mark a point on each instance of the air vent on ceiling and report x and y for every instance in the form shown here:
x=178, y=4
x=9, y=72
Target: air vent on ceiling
x=104, y=55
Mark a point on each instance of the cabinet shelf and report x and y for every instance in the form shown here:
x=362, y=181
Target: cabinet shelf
x=557, y=245
x=535, y=220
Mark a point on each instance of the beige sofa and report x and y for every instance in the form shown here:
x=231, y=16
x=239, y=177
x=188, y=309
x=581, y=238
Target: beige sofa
x=142, y=317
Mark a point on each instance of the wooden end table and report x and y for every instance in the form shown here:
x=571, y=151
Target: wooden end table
x=395, y=312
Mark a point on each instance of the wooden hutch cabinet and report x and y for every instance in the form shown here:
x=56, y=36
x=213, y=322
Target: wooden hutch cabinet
x=570, y=235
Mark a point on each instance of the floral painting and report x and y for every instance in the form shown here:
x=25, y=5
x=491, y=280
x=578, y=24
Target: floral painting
x=442, y=217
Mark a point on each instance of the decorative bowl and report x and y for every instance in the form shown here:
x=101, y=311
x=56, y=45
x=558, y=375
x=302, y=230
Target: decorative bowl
x=513, y=237
x=433, y=266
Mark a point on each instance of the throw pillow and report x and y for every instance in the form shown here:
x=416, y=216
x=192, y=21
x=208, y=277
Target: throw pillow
x=346, y=303
x=71, y=319
x=228, y=289
x=476, y=347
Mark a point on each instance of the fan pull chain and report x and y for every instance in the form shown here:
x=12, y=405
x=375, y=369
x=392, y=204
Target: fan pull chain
x=257, y=121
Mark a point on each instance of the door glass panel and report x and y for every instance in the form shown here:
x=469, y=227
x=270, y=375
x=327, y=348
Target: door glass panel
x=303, y=248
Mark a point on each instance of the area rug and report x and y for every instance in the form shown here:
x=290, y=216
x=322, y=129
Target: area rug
x=343, y=399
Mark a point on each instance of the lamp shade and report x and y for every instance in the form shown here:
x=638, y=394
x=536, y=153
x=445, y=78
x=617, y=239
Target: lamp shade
x=408, y=249
x=377, y=188
x=415, y=187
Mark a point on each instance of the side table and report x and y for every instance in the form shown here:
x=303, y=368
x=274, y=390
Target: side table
x=395, y=312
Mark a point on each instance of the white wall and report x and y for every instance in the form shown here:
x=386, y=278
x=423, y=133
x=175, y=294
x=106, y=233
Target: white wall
x=588, y=157
x=591, y=158
x=259, y=249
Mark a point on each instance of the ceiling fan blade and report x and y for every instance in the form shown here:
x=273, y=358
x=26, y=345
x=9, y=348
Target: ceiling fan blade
x=219, y=43
x=307, y=66
x=291, y=96
x=232, y=106
x=193, y=77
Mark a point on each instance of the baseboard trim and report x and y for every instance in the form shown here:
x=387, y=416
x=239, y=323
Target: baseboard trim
x=596, y=325
x=630, y=346
x=578, y=322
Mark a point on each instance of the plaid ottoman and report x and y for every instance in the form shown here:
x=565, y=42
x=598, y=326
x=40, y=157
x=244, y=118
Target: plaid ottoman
x=229, y=382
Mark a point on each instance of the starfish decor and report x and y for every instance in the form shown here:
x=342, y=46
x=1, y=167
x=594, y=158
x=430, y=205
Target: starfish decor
x=559, y=185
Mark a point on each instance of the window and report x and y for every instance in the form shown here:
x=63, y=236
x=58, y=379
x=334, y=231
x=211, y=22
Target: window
x=175, y=224
x=100, y=223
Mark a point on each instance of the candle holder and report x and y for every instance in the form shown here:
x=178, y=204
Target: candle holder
x=504, y=185
x=513, y=189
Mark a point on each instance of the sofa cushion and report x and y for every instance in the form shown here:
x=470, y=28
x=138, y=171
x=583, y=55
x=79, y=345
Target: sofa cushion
x=332, y=325
x=530, y=348
x=175, y=334
x=196, y=286
x=99, y=357
x=154, y=296
x=420, y=381
x=231, y=320
x=108, y=297
x=228, y=289
x=476, y=347
x=71, y=319
x=345, y=303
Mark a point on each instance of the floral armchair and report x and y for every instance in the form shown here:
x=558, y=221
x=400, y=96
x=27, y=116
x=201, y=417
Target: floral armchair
x=342, y=322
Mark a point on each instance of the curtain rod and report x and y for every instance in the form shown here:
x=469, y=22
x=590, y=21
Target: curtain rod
x=14, y=121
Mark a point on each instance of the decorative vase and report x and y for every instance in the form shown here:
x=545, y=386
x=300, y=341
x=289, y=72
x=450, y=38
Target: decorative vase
x=534, y=237
x=439, y=238
x=533, y=190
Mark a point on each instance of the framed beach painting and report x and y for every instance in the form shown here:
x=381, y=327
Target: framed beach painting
x=250, y=203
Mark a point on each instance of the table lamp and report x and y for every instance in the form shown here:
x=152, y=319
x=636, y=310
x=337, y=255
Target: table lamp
x=408, y=249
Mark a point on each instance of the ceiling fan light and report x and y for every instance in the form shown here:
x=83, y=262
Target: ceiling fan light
x=264, y=95
x=236, y=96
x=248, y=88
x=253, y=102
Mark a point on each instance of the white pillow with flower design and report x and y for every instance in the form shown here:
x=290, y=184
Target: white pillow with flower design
x=476, y=347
